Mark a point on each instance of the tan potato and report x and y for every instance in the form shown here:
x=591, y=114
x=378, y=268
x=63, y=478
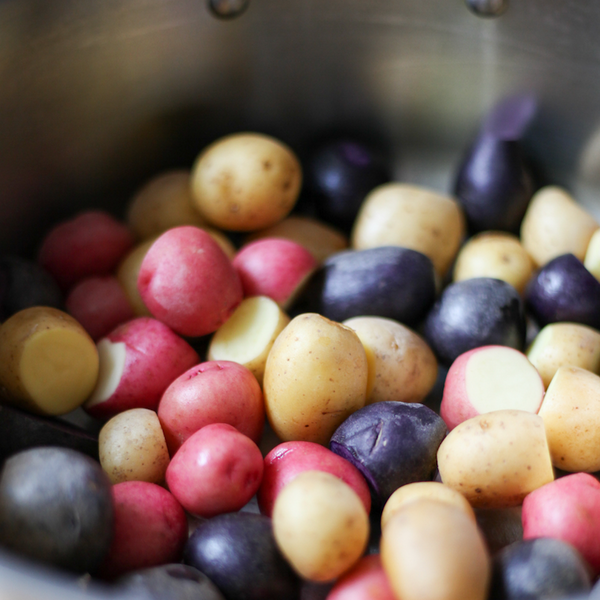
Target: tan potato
x=555, y=224
x=162, y=203
x=497, y=458
x=561, y=344
x=431, y=490
x=320, y=239
x=398, y=214
x=245, y=182
x=248, y=335
x=127, y=274
x=315, y=377
x=494, y=254
x=132, y=447
x=320, y=525
x=402, y=367
x=432, y=550
x=48, y=362
x=592, y=255
x=571, y=414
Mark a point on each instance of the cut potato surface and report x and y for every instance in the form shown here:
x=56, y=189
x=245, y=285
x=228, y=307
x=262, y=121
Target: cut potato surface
x=112, y=365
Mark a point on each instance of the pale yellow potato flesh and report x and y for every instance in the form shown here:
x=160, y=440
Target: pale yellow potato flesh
x=315, y=377
x=132, y=447
x=402, y=367
x=592, y=255
x=432, y=550
x=555, y=224
x=127, y=274
x=494, y=254
x=497, y=458
x=248, y=335
x=399, y=214
x=320, y=525
x=48, y=362
x=571, y=414
x=562, y=344
x=414, y=492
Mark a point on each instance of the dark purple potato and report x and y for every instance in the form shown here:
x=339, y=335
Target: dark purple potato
x=391, y=444
x=56, y=507
x=23, y=284
x=237, y=551
x=389, y=281
x=339, y=174
x=20, y=430
x=538, y=569
x=171, y=582
x=472, y=313
x=564, y=290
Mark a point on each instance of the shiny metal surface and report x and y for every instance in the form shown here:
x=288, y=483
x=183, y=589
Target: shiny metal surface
x=97, y=95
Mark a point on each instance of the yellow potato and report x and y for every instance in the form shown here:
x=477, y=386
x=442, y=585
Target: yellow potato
x=127, y=274
x=315, y=377
x=245, y=182
x=591, y=260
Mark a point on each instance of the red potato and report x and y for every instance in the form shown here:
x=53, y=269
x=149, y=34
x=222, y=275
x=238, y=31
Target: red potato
x=217, y=470
x=567, y=509
x=92, y=243
x=188, y=282
x=138, y=361
x=212, y=392
x=289, y=459
x=490, y=378
x=99, y=304
x=365, y=581
x=150, y=529
x=274, y=267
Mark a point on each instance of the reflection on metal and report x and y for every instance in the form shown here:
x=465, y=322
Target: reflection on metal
x=228, y=9
x=487, y=8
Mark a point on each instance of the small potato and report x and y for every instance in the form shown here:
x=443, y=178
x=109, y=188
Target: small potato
x=555, y=224
x=592, y=256
x=320, y=525
x=315, y=377
x=127, y=275
x=496, y=459
x=132, y=447
x=245, y=182
x=561, y=344
x=494, y=254
x=402, y=367
x=432, y=550
x=397, y=214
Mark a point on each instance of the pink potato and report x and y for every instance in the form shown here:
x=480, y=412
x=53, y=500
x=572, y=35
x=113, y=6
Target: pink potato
x=92, y=243
x=274, y=267
x=365, y=581
x=138, y=361
x=188, y=282
x=150, y=529
x=567, y=509
x=288, y=460
x=212, y=392
x=99, y=304
x=217, y=470
x=490, y=378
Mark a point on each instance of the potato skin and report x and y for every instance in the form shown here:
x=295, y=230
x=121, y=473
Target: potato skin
x=245, y=182
x=315, y=377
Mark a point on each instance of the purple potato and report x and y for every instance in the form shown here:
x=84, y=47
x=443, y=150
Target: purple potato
x=238, y=552
x=564, y=290
x=472, y=313
x=56, y=507
x=511, y=117
x=391, y=444
x=393, y=282
x=538, y=569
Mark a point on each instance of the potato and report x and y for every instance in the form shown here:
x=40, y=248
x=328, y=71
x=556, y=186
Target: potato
x=48, y=362
x=245, y=182
x=398, y=214
x=402, y=367
x=496, y=459
x=132, y=447
x=591, y=260
x=432, y=550
x=561, y=344
x=127, y=274
x=320, y=525
x=315, y=377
